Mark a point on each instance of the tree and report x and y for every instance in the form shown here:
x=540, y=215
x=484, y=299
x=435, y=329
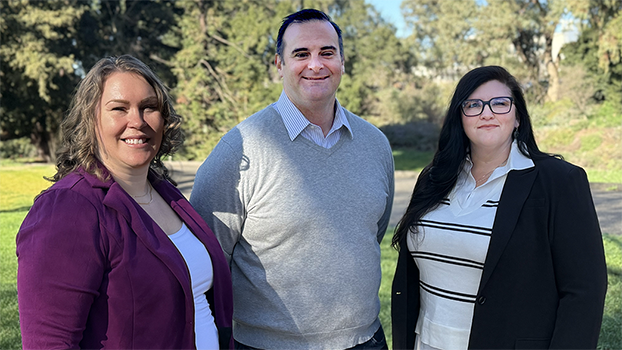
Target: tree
x=459, y=35
x=599, y=46
x=36, y=57
x=136, y=27
x=47, y=46
x=225, y=69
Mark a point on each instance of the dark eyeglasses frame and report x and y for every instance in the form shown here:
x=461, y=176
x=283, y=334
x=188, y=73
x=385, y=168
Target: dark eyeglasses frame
x=484, y=103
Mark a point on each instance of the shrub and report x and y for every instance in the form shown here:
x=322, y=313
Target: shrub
x=17, y=148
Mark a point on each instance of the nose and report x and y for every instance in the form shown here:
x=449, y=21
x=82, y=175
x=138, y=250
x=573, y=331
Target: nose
x=315, y=64
x=487, y=112
x=136, y=119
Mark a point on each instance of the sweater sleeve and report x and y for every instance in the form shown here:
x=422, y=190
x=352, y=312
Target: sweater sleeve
x=216, y=196
x=60, y=269
x=383, y=223
x=579, y=263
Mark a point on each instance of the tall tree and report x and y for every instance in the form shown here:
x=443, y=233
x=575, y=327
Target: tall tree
x=459, y=35
x=47, y=46
x=37, y=64
x=225, y=69
x=136, y=27
x=599, y=47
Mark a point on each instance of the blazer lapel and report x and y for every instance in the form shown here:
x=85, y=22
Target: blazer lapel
x=149, y=233
x=515, y=192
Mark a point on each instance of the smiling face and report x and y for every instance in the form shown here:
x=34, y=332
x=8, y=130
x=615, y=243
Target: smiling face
x=130, y=126
x=312, y=65
x=490, y=131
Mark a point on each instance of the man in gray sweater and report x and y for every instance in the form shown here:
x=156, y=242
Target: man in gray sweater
x=299, y=196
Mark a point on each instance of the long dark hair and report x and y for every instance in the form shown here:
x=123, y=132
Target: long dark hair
x=440, y=176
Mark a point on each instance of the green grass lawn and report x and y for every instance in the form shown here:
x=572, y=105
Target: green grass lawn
x=20, y=183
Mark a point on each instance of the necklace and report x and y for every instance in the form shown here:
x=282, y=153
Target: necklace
x=481, y=180
x=149, y=191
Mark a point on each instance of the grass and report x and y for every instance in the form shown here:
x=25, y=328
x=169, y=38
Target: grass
x=410, y=159
x=9, y=326
x=20, y=183
x=388, y=263
x=611, y=330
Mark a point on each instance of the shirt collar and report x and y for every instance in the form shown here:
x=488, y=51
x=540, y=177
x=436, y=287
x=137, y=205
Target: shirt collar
x=516, y=161
x=295, y=122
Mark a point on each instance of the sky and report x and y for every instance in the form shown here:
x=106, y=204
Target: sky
x=390, y=11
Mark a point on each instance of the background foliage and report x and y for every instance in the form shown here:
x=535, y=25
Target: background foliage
x=217, y=58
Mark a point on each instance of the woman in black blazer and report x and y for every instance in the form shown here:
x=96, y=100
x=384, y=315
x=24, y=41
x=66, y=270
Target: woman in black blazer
x=500, y=246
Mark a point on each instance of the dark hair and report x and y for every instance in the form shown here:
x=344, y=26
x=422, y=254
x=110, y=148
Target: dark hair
x=440, y=176
x=302, y=16
x=79, y=141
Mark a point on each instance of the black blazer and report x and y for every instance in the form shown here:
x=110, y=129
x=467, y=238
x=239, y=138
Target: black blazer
x=544, y=280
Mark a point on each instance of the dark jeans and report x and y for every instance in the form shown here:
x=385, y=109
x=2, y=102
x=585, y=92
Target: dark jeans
x=377, y=342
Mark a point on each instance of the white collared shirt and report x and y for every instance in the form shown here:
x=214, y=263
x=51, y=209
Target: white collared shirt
x=450, y=252
x=297, y=124
x=465, y=192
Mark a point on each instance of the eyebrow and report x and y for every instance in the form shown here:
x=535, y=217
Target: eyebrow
x=145, y=100
x=323, y=48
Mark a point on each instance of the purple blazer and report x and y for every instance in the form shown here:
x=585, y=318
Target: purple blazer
x=95, y=271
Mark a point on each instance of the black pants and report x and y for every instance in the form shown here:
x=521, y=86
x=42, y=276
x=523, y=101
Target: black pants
x=377, y=342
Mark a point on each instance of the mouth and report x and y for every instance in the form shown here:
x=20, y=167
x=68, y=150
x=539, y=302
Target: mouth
x=315, y=78
x=135, y=141
x=490, y=126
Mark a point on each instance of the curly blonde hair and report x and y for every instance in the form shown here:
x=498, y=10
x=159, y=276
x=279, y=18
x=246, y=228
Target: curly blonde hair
x=79, y=148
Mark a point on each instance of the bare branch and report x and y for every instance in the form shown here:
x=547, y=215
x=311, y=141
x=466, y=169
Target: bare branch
x=228, y=43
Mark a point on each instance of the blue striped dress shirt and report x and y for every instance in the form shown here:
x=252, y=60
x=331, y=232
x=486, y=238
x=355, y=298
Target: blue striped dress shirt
x=297, y=124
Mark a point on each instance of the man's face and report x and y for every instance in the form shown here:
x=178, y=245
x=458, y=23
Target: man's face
x=312, y=65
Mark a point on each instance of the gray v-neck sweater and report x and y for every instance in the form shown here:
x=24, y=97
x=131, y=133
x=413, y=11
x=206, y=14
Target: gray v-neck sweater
x=301, y=226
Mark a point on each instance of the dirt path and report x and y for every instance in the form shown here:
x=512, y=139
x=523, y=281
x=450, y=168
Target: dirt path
x=607, y=197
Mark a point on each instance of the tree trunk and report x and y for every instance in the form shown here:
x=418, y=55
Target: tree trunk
x=552, y=69
x=41, y=139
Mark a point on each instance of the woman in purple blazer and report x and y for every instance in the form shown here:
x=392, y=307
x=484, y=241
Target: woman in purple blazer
x=112, y=255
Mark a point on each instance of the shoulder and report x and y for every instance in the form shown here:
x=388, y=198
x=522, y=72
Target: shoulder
x=367, y=133
x=254, y=128
x=69, y=203
x=76, y=185
x=555, y=169
x=265, y=118
x=357, y=123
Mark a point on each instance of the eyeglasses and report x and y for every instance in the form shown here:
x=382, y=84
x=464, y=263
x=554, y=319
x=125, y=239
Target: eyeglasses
x=498, y=105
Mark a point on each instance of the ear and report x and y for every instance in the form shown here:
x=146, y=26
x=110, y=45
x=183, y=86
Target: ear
x=279, y=64
x=343, y=69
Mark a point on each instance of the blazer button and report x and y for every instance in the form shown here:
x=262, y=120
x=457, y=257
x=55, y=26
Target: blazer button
x=481, y=300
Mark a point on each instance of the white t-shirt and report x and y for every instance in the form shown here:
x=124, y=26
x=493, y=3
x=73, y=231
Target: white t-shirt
x=201, y=276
